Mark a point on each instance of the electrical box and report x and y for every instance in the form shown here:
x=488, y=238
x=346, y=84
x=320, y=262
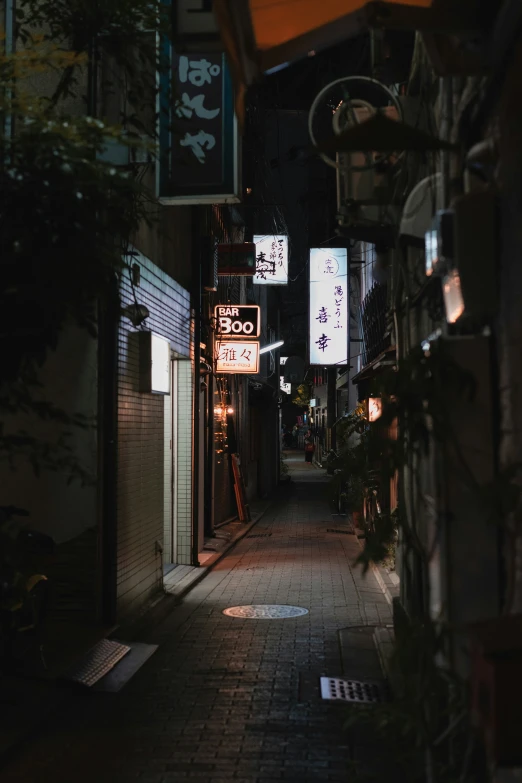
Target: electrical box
x=496, y=687
x=451, y=516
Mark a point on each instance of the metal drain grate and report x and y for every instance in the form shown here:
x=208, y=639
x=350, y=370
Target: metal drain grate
x=355, y=691
x=335, y=530
x=98, y=662
x=260, y=535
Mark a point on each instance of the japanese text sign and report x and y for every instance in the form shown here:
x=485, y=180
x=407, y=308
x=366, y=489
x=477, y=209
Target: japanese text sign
x=328, y=306
x=199, y=154
x=271, y=260
x=237, y=321
x=237, y=357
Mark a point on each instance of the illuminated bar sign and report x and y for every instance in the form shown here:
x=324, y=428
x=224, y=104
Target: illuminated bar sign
x=271, y=260
x=328, y=306
x=237, y=321
x=237, y=357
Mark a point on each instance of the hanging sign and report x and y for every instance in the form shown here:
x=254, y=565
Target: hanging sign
x=271, y=260
x=237, y=357
x=237, y=321
x=285, y=387
x=237, y=259
x=199, y=147
x=154, y=363
x=328, y=306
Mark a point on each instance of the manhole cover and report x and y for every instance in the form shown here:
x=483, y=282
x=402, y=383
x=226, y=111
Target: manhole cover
x=265, y=611
x=355, y=691
x=260, y=535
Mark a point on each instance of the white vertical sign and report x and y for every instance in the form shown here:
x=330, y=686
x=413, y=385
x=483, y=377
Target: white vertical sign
x=328, y=306
x=271, y=260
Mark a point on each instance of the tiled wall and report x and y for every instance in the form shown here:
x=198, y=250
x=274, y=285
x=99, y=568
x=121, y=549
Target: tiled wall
x=141, y=436
x=169, y=449
x=184, y=462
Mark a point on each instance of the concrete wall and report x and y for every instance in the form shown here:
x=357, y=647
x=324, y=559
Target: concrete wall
x=62, y=509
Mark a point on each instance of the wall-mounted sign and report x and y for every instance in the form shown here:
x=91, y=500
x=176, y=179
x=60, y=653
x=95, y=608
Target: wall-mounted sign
x=313, y=403
x=154, y=363
x=199, y=146
x=271, y=260
x=237, y=321
x=237, y=259
x=285, y=387
x=237, y=357
x=328, y=306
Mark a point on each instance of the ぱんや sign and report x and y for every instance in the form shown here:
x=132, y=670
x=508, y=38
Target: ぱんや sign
x=237, y=320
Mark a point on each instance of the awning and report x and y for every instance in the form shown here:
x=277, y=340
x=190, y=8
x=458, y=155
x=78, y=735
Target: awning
x=384, y=361
x=259, y=35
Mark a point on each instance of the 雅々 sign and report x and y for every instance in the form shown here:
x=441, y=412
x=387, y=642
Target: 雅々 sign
x=237, y=357
x=199, y=146
x=328, y=306
x=271, y=260
x=237, y=321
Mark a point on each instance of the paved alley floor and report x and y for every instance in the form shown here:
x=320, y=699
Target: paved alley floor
x=226, y=699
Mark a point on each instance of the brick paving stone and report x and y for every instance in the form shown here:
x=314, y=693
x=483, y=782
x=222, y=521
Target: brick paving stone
x=219, y=700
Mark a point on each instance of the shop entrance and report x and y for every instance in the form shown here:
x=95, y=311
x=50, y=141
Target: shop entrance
x=177, y=467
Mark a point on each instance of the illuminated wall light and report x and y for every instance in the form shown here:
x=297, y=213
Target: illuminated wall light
x=218, y=411
x=431, y=251
x=230, y=410
x=374, y=408
x=453, y=301
x=272, y=346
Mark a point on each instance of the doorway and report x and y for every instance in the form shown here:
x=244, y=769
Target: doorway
x=177, y=466
x=170, y=439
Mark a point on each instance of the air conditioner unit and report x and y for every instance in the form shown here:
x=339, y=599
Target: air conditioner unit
x=119, y=154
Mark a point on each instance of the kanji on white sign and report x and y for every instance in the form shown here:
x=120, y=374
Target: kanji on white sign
x=271, y=260
x=237, y=357
x=328, y=315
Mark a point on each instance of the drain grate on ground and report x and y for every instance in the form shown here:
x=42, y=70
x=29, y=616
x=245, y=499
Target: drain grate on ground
x=354, y=691
x=98, y=662
x=336, y=530
x=260, y=535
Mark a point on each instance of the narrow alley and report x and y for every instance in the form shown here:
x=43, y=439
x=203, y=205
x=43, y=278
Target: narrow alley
x=228, y=699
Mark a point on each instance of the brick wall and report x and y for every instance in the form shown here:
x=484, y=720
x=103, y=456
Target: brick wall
x=141, y=436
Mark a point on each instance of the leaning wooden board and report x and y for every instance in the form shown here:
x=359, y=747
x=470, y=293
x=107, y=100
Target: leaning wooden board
x=239, y=487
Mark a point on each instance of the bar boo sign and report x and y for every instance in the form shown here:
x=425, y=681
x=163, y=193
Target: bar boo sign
x=237, y=320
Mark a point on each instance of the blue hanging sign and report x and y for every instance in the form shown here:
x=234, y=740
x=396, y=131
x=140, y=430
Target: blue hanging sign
x=199, y=143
